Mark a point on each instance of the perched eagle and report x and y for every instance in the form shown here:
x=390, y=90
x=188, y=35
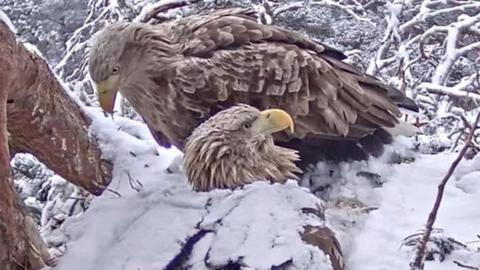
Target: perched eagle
x=235, y=147
x=178, y=74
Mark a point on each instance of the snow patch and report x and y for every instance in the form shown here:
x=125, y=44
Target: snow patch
x=34, y=50
x=260, y=226
x=406, y=198
x=4, y=18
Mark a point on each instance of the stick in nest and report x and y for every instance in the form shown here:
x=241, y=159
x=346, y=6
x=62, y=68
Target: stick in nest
x=420, y=255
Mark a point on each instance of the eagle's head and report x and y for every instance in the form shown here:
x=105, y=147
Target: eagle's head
x=122, y=56
x=108, y=65
x=235, y=147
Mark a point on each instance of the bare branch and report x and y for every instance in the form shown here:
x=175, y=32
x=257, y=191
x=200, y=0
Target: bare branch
x=459, y=264
x=420, y=255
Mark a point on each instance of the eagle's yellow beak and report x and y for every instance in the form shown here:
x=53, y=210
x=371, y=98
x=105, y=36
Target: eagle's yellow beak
x=273, y=120
x=107, y=93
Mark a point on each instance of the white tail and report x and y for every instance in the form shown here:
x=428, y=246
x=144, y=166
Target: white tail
x=405, y=129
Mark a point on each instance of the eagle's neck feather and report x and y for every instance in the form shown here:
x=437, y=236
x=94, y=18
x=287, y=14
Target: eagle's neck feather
x=220, y=164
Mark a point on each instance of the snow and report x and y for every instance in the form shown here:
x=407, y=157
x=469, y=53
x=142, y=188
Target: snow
x=260, y=224
x=33, y=49
x=406, y=199
x=149, y=8
x=452, y=53
x=4, y=18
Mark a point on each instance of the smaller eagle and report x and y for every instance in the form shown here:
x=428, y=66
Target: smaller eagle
x=235, y=147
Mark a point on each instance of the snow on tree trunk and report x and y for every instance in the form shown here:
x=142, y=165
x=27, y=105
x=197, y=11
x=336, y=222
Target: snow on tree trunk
x=45, y=121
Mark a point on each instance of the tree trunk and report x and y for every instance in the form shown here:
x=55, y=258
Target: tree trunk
x=45, y=121
x=21, y=248
x=13, y=240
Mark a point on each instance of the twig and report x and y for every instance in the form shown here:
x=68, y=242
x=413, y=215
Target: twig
x=420, y=256
x=18, y=263
x=465, y=266
x=462, y=131
x=134, y=183
x=457, y=141
x=72, y=207
x=108, y=189
x=155, y=13
x=114, y=192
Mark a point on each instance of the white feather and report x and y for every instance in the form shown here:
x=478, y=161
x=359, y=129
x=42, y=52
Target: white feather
x=405, y=129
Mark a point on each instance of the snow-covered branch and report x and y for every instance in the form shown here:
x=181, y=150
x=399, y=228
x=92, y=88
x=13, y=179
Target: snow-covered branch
x=430, y=49
x=452, y=52
x=454, y=91
x=353, y=10
x=161, y=10
x=6, y=20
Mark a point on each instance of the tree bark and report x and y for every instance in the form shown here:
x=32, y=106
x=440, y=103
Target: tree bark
x=13, y=239
x=21, y=248
x=45, y=121
x=37, y=116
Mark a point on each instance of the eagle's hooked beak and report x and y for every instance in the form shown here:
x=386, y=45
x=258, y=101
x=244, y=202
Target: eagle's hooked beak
x=273, y=120
x=107, y=93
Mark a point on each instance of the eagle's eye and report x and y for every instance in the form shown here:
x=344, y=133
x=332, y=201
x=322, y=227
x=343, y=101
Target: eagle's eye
x=115, y=70
x=247, y=125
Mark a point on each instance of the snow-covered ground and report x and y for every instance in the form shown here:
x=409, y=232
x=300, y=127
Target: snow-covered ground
x=404, y=203
x=145, y=223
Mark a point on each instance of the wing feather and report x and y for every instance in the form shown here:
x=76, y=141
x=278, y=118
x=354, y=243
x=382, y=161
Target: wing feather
x=229, y=58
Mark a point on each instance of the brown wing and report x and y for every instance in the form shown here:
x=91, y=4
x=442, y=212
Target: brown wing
x=232, y=59
x=230, y=28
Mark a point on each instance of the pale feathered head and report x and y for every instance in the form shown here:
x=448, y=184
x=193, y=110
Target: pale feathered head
x=121, y=58
x=235, y=147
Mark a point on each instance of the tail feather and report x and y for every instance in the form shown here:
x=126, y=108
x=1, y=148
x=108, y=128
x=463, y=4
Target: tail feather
x=403, y=128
